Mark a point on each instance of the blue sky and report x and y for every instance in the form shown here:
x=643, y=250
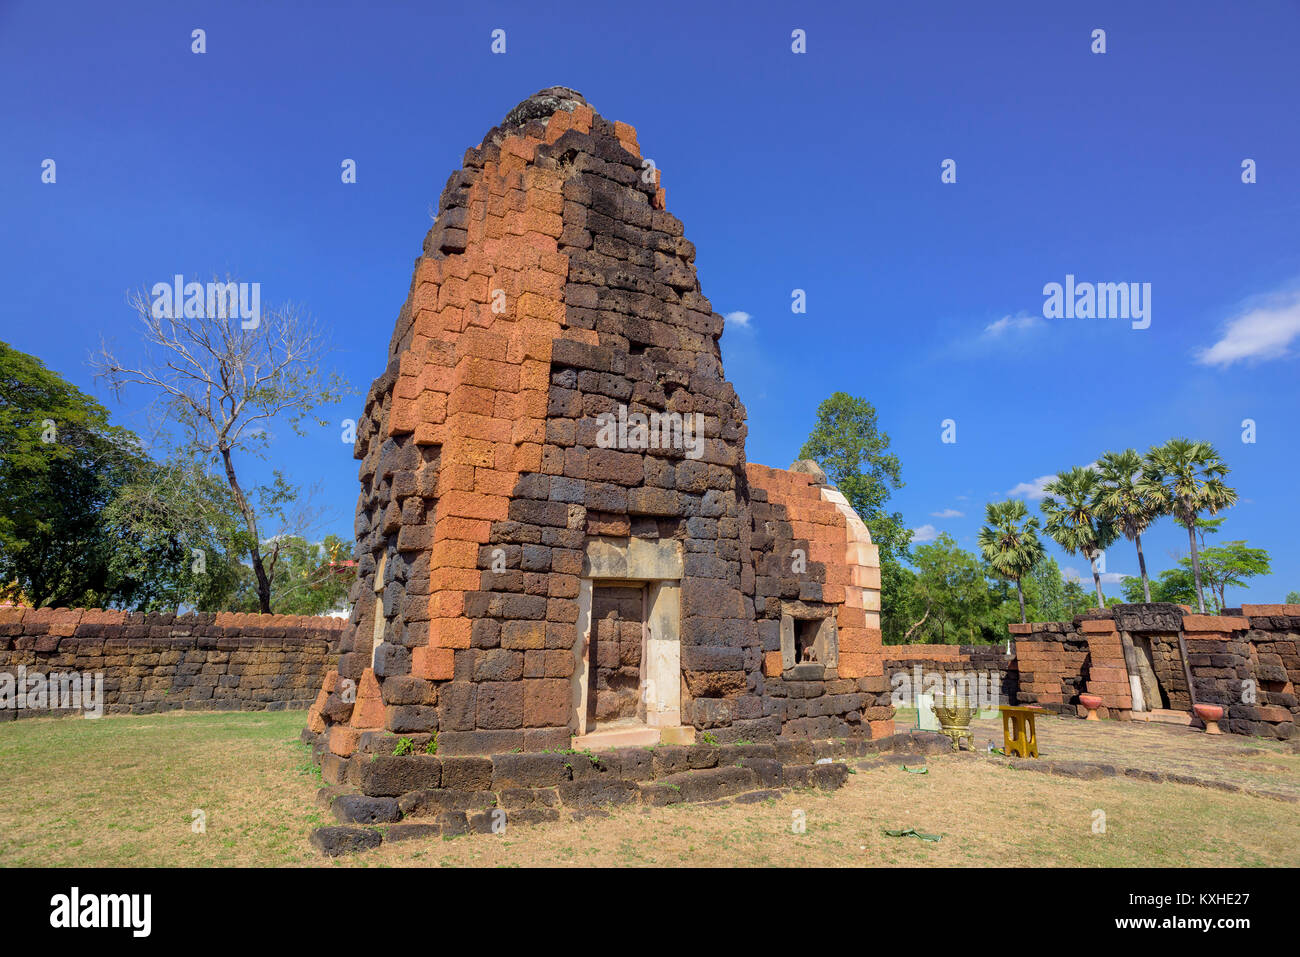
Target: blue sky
x=818, y=171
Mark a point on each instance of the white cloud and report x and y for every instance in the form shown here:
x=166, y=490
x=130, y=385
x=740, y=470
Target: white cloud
x=1037, y=489
x=1261, y=332
x=948, y=513
x=738, y=318
x=926, y=533
x=1021, y=322
x=1033, y=490
x=1107, y=578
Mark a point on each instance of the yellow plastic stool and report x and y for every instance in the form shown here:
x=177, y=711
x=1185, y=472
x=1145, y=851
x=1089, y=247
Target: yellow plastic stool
x=1019, y=733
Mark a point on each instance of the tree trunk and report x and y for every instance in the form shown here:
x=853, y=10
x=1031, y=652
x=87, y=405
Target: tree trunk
x=1021, y=595
x=255, y=544
x=918, y=624
x=1196, y=566
x=1142, y=567
x=1096, y=580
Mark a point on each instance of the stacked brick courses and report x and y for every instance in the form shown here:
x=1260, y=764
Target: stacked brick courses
x=555, y=288
x=163, y=662
x=1247, y=660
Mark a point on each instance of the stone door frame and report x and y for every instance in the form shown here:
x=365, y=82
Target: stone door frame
x=657, y=565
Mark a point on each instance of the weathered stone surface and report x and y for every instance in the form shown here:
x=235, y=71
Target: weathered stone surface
x=360, y=809
x=553, y=413
x=335, y=841
x=393, y=776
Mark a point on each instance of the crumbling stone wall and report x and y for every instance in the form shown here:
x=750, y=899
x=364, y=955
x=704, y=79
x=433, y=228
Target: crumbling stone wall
x=554, y=289
x=163, y=662
x=1246, y=660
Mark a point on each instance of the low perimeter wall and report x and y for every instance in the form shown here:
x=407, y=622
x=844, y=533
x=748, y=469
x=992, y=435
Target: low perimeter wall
x=986, y=661
x=162, y=662
x=1246, y=660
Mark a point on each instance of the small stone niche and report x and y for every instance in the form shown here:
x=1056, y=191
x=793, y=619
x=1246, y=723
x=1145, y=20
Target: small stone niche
x=807, y=639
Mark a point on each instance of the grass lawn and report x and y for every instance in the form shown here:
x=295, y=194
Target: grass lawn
x=123, y=791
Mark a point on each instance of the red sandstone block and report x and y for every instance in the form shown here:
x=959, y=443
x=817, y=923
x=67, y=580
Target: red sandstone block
x=453, y=293
x=368, y=710
x=1265, y=611
x=433, y=664
x=12, y=616
x=492, y=508
x=1220, y=623
x=1097, y=626
x=528, y=430
x=772, y=664
x=538, y=347
x=403, y=419
x=454, y=477
x=581, y=118
x=450, y=632
x=449, y=553
x=463, y=529
x=559, y=123
x=462, y=450
x=527, y=457
x=534, y=375
x=343, y=740
x=315, y=721
x=480, y=343
x=1274, y=712
x=483, y=427
x=487, y=373
x=455, y=579
x=853, y=640
x=833, y=593
x=853, y=618
x=853, y=665
x=432, y=407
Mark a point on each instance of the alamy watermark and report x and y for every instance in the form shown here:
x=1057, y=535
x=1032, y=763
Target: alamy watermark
x=658, y=430
x=214, y=300
x=968, y=689
x=58, y=691
x=1101, y=300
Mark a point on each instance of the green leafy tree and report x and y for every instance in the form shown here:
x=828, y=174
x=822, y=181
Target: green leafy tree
x=1176, y=585
x=848, y=444
x=1009, y=542
x=1186, y=479
x=1126, y=504
x=309, y=578
x=1075, y=518
x=223, y=384
x=1293, y=598
x=179, y=538
x=1230, y=565
x=950, y=593
x=1046, y=587
x=61, y=462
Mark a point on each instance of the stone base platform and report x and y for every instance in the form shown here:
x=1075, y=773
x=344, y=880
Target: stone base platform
x=385, y=797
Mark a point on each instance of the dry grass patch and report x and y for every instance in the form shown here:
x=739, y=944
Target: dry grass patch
x=121, y=791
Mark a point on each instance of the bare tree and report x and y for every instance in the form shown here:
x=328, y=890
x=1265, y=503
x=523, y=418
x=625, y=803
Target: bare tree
x=222, y=382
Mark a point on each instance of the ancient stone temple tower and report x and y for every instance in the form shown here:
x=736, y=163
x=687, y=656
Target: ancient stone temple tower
x=559, y=540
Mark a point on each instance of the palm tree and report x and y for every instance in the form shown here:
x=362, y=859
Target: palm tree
x=1011, y=548
x=1126, y=503
x=1186, y=478
x=1076, y=521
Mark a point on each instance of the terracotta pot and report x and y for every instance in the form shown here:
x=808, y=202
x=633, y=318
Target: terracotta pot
x=1210, y=714
x=1092, y=702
